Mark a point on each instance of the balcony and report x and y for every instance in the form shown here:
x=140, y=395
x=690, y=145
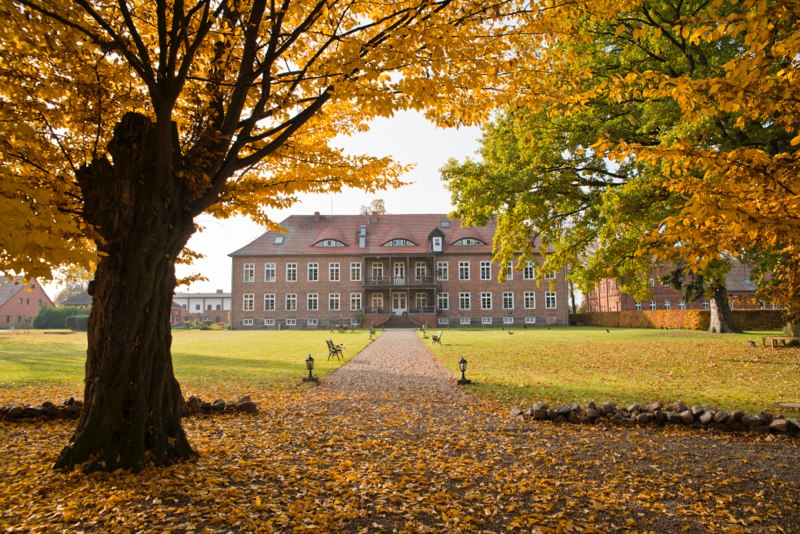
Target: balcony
x=399, y=282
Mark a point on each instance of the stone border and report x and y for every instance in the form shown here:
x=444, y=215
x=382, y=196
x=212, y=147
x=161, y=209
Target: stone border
x=697, y=417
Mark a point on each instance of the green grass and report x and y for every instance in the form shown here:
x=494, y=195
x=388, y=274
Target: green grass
x=203, y=359
x=565, y=365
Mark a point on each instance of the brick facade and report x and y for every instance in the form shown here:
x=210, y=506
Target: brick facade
x=354, y=270
x=19, y=302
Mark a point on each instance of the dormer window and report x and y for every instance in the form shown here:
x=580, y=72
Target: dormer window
x=436, y=244
x=468, y=242
x=399, y=243
x=329, y=243
x=278, y=240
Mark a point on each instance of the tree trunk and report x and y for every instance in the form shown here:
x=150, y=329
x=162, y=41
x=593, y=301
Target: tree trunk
x=572, y=298
x=721, y=321
x=132, y=403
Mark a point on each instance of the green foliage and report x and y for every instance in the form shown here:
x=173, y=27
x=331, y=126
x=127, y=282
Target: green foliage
x=77, y=322
x=56, y=317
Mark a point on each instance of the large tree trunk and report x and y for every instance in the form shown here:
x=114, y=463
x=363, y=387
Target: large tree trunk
x=132, y=403
x=721, y=321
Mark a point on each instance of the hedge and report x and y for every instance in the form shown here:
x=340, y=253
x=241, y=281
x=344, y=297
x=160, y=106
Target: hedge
x=77, y=322
x=56, y=317
x=685, y=319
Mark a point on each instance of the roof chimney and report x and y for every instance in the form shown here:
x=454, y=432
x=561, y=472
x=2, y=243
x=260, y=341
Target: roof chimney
x=316, y=215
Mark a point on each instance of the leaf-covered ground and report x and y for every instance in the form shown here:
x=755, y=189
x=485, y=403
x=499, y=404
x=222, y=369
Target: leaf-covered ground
x=388, y=443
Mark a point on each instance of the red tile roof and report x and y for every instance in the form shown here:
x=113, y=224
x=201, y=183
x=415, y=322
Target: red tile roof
x=303, y=231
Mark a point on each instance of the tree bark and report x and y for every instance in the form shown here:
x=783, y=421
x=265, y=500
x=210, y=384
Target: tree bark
x=721, y=321
x=132, y=402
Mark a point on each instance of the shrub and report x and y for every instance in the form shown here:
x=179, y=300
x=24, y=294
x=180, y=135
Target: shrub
x=56, y=317
x=77, y=322
x=685, y=319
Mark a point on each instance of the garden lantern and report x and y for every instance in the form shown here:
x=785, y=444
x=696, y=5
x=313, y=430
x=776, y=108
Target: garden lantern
x=462, y=366
x=310, y=367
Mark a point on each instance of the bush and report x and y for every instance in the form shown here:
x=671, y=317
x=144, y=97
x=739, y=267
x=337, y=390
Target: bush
x=56, y=317
x=77, y=322
x=685, y=319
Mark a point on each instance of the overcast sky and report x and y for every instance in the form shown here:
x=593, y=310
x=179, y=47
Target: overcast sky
x=407, y=137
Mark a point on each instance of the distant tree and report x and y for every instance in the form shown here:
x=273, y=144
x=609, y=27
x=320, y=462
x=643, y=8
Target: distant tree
x=376, y=207
x=71, y=289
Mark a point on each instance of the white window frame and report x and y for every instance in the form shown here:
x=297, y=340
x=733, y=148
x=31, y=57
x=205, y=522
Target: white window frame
x=550, y=300
x=463, y=270
x=465, y=297
x=290, y=302
x=682, y=304
x=465, y=321
x=530, y=320
x=508, y=320
x=420, y=299
x=247, y=322
x=551, y=275
x=529, y=272
x=420, y=270
x=248, y=302
x=355, y=271
x=355, y=301
x=667, y=305
x=638, y=306
x=312, y=298
x=249, y=273
x=486, y=320
x=443, y=298
x=486, y=300
x=442, y=268
x=291, y=272
x=269, y=322
x=377, y=270
x=313, y=269
x=508, y=300
x=529, y=300
x=334, y=272
x=436, y=244
x=334, y=302
x=486, y=270
x=653, y=305
x=269, y=302
x=291, y=322
x=377, y=300
x=443, y=321
x=510, y=270
x=270, y=272
x=312, y=322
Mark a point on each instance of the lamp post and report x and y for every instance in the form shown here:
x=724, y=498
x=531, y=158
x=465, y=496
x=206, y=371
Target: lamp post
x=462, y=366
x=310, y=367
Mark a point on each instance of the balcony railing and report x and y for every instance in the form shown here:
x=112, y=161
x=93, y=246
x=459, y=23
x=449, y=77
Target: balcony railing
x=399, y=281
x=422, y=309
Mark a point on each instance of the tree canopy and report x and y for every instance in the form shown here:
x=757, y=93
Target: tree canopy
x=646, y=128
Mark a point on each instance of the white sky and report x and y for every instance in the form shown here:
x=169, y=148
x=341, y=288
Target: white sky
x=407, y=137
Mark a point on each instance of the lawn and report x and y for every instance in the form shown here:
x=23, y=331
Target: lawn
x=214, y=362
x=626, y=366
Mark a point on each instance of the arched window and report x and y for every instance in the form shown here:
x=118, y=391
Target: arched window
x=468, y=241
x=399, y=243
x=329, y=243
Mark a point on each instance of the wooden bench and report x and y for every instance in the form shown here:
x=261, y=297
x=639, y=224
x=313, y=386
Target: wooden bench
x=437, y=338
x=780, y=342
x=334, y=351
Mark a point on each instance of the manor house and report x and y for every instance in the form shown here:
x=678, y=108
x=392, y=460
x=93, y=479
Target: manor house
x=386, y=270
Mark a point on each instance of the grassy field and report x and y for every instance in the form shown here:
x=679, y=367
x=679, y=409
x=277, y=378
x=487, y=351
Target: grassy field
x=565, y=365
x=224, y=361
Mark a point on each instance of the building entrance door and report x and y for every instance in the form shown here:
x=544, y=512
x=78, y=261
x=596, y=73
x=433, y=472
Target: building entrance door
x=399, y=303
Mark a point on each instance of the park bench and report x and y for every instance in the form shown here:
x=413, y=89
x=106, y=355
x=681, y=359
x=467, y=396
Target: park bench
x=437, y=338
x=334, y=351
x=779, y=342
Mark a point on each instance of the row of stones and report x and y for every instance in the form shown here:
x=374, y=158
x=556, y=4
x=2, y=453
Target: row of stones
x=71, y=408
x=656, y=413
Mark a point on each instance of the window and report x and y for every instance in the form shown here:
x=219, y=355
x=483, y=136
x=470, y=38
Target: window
x=468, y=242
x=528, y=273
x=248, y=302
x=329, y=243
x=486, y=270
x=377, y=300
x=291, y=272
x=247, y=322
x=420, y=270
x=333, y=272
x=355, y=301
x=444, y=321
x=312, y=302
x=530, y=320
x=464, y=320
x=311, y=322
x=333, y=301
x=705, y=304
x=508, y=320
x=508, y=300
x=291, y=322
x=464, y=302
x=529, y=300
x=441, y=270
x=196, y=306
x=377, y=271
x=486, y=320
x=249, y=272
x=510, y=271
x=652, y=305
x=313, y=272
x=269, y=322
x=463, y=270
x=355, y=272
x=638, y=306
x=291, y=302
x=653, y=282
x=444, y=224
x=550, y=301
x=278, y=240
x=354, y=322
x=443, y=301
x=550, y=276
x=269, y=301
x=667, y=305
x=19, y=301
x=269, y=272
x=421, y=299
x=486, y=301
x=399, y=243
x=682, y=305
x=436, y=244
